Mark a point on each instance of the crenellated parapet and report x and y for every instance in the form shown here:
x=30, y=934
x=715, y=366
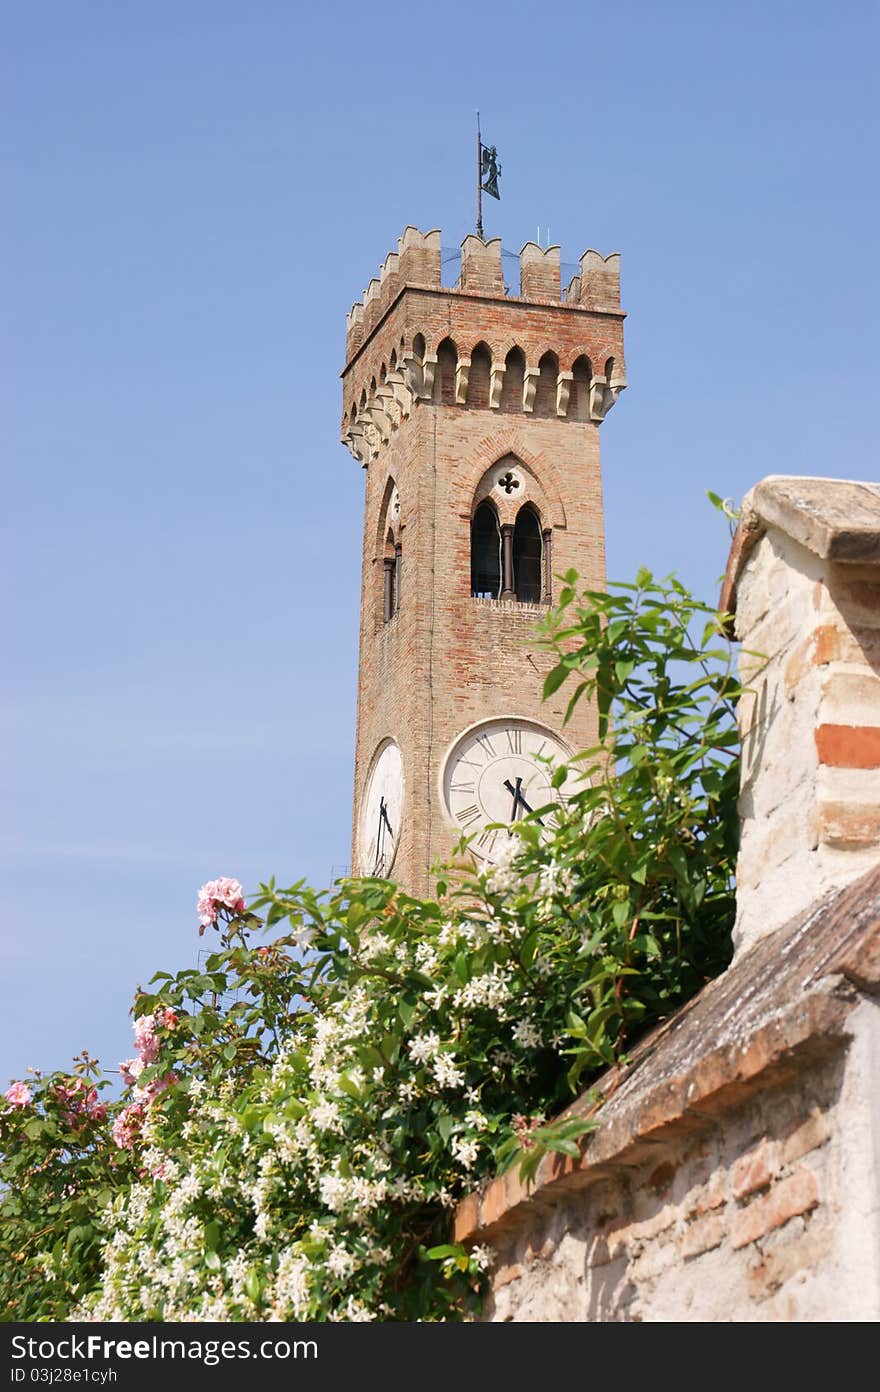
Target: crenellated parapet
x=475, y=345
x=598, y=284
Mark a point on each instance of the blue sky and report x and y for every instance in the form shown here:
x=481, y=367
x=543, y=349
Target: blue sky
x=195, y=194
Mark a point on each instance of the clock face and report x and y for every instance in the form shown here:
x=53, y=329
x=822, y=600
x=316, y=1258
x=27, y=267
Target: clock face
x=381, y=809
x=495, y=773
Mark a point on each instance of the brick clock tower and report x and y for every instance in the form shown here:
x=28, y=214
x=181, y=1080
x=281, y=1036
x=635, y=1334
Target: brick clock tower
x=475, y=413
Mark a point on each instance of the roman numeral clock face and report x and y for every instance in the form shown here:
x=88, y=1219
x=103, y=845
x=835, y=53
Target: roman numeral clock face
x=381, y=810
x=495, y=772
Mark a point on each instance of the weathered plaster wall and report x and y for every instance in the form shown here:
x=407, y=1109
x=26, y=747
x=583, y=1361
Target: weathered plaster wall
x=768, y=1215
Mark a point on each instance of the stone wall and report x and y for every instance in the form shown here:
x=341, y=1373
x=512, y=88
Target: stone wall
x=804, y=580
x=734, y=1174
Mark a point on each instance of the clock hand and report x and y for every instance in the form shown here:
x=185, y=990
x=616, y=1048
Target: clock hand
x=380, y=836
x=383, y=816
x=518, y=800
x=515, y=791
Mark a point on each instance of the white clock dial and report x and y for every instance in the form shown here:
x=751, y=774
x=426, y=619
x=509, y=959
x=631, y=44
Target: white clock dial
x=381, y=811
x=496, y=772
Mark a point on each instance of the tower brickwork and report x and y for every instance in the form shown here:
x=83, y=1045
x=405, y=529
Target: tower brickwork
x=475, y=413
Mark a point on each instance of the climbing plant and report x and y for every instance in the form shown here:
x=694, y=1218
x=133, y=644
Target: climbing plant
x=305, y=1108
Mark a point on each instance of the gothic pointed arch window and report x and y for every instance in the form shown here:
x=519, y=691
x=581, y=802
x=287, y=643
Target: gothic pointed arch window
x=444, y=384
x=485, y=553
x=479, y=377
x=579, y=399
x=545, y=394
x=527, y=557
x=392, y=567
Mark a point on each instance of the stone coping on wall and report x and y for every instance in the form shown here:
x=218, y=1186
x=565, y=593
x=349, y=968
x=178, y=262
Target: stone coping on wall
x=836, y=519
x=780, y=1007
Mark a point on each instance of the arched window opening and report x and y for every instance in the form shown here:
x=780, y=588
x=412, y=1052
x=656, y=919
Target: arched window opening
x=447, y=360
x=419, y=346
x=391, y=578
x=579, y=400
x=478, y=380
x=485, y=553
x=512, y=389
x=609, y=370
x=527, y=570
x=545, y=395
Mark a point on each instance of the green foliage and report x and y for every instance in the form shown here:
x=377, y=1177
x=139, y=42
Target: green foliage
x=322, y=1101
x=59, y=1169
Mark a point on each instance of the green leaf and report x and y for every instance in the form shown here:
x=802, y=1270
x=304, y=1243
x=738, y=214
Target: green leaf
x=620, y=912
x=446, y=1249
x=554, y=679
x=444, y=1126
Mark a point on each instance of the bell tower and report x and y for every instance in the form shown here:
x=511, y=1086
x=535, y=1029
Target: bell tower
x=475, y=412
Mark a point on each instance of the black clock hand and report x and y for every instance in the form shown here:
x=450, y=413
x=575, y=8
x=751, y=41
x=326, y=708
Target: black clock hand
x=380, y=836
x=518, y=799
x=383, y=816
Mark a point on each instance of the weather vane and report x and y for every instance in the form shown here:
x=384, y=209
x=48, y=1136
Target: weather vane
x=488, y=174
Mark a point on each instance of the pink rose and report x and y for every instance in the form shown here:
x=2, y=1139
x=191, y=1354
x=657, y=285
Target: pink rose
x=131, y=1070
x=19, y=1095
x=127, y=1126
x=217, y=894
x=145, y=1039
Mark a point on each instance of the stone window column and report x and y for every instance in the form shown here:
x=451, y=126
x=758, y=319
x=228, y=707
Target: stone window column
x=547, y=538
x=398, y=566
x=388, y=606
x=507, y=590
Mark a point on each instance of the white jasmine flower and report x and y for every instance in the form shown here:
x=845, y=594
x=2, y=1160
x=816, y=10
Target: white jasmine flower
x=484, y=1256
x=325, y=1115
x=340, y=1261
x=527, y=1035
x=465, y=1152
x=423, y=1047
x=446, y=1071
